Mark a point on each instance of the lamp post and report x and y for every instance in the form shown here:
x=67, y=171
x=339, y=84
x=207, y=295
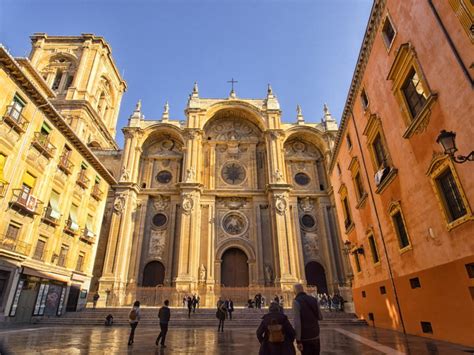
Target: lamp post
x=448, y=141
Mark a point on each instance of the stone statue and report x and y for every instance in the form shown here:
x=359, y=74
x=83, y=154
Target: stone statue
x=190, y=174
x=202, y=273
x=268, y=274
x=278, y=175
x=124, y=174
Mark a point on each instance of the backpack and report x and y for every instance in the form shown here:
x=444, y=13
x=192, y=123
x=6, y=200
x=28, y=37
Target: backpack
x=133, y=314
x=275, y=332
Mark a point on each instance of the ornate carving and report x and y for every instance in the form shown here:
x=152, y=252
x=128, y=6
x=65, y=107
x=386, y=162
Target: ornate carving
x=124, y=174
x=306, y=204
x=311, y=245
x=190, y=174
x=119, y=203
x=234, y=223
x=157, y=243
x=280, y=203
x=160, y=203
x=202, y=273
x=232, y=129
x=187, y=203
x=232, y=203
x=277, y=175
x=268, y=274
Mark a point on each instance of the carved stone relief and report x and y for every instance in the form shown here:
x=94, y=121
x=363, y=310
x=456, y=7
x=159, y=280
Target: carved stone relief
x=160, y=203
x=234, y=223
x=187, y=203
x=280, y=203
x=311, y=245
x=157, y=243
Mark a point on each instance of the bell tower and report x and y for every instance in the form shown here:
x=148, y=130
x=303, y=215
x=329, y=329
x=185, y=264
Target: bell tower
x=88, y=85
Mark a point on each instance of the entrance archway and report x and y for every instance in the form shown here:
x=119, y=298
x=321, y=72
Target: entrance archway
x=316, y=276
x=234, y=268
x=153, y=274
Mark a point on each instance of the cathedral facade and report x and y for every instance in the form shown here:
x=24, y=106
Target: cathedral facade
x=228, y=197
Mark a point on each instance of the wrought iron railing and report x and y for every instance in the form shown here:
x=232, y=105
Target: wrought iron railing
x=65, y=164
x=41, y=142
x=15, y=245
x=15, y=119
x=82, y=179
x=25, y=201
x=69, y=229
x=96, y=192
x=48, y=218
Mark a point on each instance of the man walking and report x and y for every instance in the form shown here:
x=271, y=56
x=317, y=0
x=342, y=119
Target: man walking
x=190, y=306
x=95, y=299
x=164, y=315
x=307, y=316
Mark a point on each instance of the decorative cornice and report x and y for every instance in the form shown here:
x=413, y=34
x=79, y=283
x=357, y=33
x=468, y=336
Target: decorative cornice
x=364, y=53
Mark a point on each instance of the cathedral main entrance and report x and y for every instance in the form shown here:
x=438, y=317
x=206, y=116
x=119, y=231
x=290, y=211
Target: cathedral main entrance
x=316, y=276
x=234, y=268
x=153, y=274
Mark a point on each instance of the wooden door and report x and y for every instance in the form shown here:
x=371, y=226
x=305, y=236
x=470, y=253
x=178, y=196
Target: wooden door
x=153, y=274
x=234, y=268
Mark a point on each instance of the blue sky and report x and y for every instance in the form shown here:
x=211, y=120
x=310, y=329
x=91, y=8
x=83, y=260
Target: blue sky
x=306, y=49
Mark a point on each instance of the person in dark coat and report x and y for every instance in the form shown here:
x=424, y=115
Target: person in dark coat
x=275, y=333
x=164, y=314
x=221, y=314
x=230, y=307
x=307, y=316
x=190, y=306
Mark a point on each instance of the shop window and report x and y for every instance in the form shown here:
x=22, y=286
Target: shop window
x=388, y=32
x=383, y=290
x=373, y=249
x=449, y=191
x=415, y=282
x=399, y=225
x=426, y=327
x=411, y=90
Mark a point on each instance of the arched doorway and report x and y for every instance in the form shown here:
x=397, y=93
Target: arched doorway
x=316, y=276
x=234, y=268
x=153, y=274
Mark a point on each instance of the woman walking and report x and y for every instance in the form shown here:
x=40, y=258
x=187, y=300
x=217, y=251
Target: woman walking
x=133, y=318
x=220, y=314
x=275, y=333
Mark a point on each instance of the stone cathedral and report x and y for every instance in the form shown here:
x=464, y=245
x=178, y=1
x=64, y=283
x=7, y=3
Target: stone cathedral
x=229, y=196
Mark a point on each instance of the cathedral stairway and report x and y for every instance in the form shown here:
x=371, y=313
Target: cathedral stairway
x=204, y=317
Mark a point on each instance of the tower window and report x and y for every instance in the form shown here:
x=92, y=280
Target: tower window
x=69, y=80
x=57, y=80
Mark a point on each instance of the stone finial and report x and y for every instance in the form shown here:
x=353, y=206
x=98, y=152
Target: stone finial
x=195, y=92
x=269, y=90
x=138, y=106
x=232, y=94
x=326, y=110
x=137, y=113
x=166, y=112
x=328, y=121
x=299, y=115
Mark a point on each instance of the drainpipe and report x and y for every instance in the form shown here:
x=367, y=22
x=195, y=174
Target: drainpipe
x=390, y=272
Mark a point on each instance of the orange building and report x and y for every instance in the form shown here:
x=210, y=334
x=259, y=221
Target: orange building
x=405, y=206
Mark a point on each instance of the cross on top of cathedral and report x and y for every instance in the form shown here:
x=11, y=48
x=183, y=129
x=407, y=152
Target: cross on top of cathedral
x=232, y=92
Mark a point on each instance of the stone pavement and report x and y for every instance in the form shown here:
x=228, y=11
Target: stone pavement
x=113, y=340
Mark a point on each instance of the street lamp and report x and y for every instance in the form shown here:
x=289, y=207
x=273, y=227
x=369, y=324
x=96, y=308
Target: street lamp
x=448, y=142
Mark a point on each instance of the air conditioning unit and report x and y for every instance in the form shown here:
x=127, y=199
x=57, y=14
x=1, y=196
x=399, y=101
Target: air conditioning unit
x=380, y=175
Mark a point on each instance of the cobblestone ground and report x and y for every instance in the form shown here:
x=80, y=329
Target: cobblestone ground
x=105, y=340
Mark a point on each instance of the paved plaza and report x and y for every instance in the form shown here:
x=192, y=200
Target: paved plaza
x=113, y=340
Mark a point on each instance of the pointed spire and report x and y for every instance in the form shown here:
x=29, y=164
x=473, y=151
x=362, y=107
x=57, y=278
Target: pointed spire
x=195, y=90
x=166, y=112
x=299, y=115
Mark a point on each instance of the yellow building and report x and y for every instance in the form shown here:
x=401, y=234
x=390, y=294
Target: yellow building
x=54, y=107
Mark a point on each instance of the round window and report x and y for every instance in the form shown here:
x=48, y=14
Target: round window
x=233, y=173
x=164, y=177
x=302, y=179
x=234, y=223
x=159, y=219
x=308, y=221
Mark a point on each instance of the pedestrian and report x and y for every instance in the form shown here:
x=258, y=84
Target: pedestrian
x=230, y=308
x=133, y=319
x=281, y=302
x=190, y=306
x=330, y=303
x=198, y=300
x=307, y=316
x=275, y=333
x=95, y=299
x=220, y=314
x=164, y=315
x=185, y=301
x=194, y=300
x=109, y=320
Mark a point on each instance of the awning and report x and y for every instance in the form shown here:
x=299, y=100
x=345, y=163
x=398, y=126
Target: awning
x=89, y=227
x=54, y=203
x=73, y=216
x=45, y=274
x=29, y=179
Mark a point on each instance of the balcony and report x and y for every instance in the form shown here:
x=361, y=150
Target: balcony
x=65, y=164
x=97, y=193
x=51, y=216
x=15, y=246
x=3, y=187
x=24, y=202
x=42, y=143
x=71, y=227
x=87, y=236
x=82, y=179
x=15, y=119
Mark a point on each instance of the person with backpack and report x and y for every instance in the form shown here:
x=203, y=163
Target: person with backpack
x=307, y=316
x=164, y=314
x=133, y=319
x=221, y=314
x=275, y=333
